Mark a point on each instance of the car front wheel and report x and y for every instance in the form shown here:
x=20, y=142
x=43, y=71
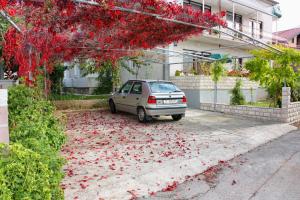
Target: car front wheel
x=176, y=117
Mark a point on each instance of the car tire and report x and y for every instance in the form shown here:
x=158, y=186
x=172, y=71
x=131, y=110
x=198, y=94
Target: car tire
x=112, y=107
x=177, y=117
x=142, y=116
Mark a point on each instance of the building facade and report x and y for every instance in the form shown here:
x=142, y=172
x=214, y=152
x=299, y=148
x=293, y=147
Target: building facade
x=249, y=22
x=290, y=37
x=254, y=18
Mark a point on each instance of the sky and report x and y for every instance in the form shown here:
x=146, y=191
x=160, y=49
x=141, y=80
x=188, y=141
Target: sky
x=290, y=14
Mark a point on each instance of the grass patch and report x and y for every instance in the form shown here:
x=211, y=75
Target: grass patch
x=66, y=97
x=263, y=104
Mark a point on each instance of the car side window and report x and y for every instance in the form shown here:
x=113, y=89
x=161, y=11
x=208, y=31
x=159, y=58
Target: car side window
x=137, y=88
x=126, y=87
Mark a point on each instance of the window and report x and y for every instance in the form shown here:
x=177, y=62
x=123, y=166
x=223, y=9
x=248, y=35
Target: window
x=197, y=5
x=298, y=40
x=256, y=28
x=163, y=87
x=238, y=21
x=126, y=87
x=293, y=40
x=137, y=88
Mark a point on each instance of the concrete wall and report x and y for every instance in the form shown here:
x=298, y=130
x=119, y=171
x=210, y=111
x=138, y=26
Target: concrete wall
x=262, y=94
x=153, y=71
x=5, y=84
x=4, y=134
x=294, y=112
x=289, y=111
x=200, y=89
x=269, y=114
x=74, y=81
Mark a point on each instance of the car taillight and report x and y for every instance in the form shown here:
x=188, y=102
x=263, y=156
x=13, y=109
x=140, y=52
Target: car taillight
x=151, y=100
x=184, y=100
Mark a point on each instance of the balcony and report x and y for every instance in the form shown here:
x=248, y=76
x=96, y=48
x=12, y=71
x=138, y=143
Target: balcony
x=228, y=37
x=251, y=20
x=255, y=33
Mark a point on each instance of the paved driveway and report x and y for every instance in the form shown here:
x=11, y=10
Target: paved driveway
x=115, y=157
x=269, y=172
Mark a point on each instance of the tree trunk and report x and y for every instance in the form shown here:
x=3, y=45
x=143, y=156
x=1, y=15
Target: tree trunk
x=215, y=95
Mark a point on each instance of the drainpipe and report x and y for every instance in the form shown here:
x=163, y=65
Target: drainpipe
x=1, y=71
x=257, y=25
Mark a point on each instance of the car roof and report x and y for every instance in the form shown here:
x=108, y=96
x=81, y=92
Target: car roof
x=146, y=80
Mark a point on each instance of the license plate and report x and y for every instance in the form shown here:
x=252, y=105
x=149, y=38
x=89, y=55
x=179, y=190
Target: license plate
x=170, y=101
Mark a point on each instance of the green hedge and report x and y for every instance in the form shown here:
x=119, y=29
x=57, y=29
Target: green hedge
x=31, y=166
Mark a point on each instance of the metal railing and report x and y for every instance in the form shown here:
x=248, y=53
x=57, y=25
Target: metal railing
x=255, y=33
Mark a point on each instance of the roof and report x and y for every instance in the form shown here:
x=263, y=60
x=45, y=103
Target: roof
x=271, y=2
x=147, y=80
x=288, y=34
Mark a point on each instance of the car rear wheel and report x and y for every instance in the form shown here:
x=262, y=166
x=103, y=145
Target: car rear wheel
x=176, y=117
x=112, y=107
x=142, y=116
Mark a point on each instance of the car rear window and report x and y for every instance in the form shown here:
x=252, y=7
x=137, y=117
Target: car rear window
x=163, y=87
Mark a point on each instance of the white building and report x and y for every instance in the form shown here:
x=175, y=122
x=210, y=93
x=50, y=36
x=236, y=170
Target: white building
x=250, y=25
x=290, y=37
x=252, y=17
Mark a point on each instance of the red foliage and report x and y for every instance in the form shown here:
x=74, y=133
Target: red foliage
x=171, y=187
x=65, y=30
x=238, y=73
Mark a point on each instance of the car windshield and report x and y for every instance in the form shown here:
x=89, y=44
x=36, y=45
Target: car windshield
x=163, y=87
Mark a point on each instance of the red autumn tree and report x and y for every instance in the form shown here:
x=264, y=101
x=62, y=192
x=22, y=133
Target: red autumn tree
x=62, y=30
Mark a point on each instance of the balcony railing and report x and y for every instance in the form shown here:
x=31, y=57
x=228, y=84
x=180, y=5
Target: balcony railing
x=254, y=33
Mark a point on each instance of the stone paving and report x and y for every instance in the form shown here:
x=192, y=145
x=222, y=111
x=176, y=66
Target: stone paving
x=115, y=157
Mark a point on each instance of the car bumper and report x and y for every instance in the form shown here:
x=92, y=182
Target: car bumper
x=165, y=111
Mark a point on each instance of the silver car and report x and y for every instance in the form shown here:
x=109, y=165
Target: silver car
x=148, y=99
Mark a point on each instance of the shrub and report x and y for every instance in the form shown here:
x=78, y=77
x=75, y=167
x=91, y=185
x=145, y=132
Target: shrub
x=274, y=75
x=237, y=97
x=19, y=98
x=23, y=175
x=37, y=122
x=177, y=73
x=33, y=131
x=30, y=116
